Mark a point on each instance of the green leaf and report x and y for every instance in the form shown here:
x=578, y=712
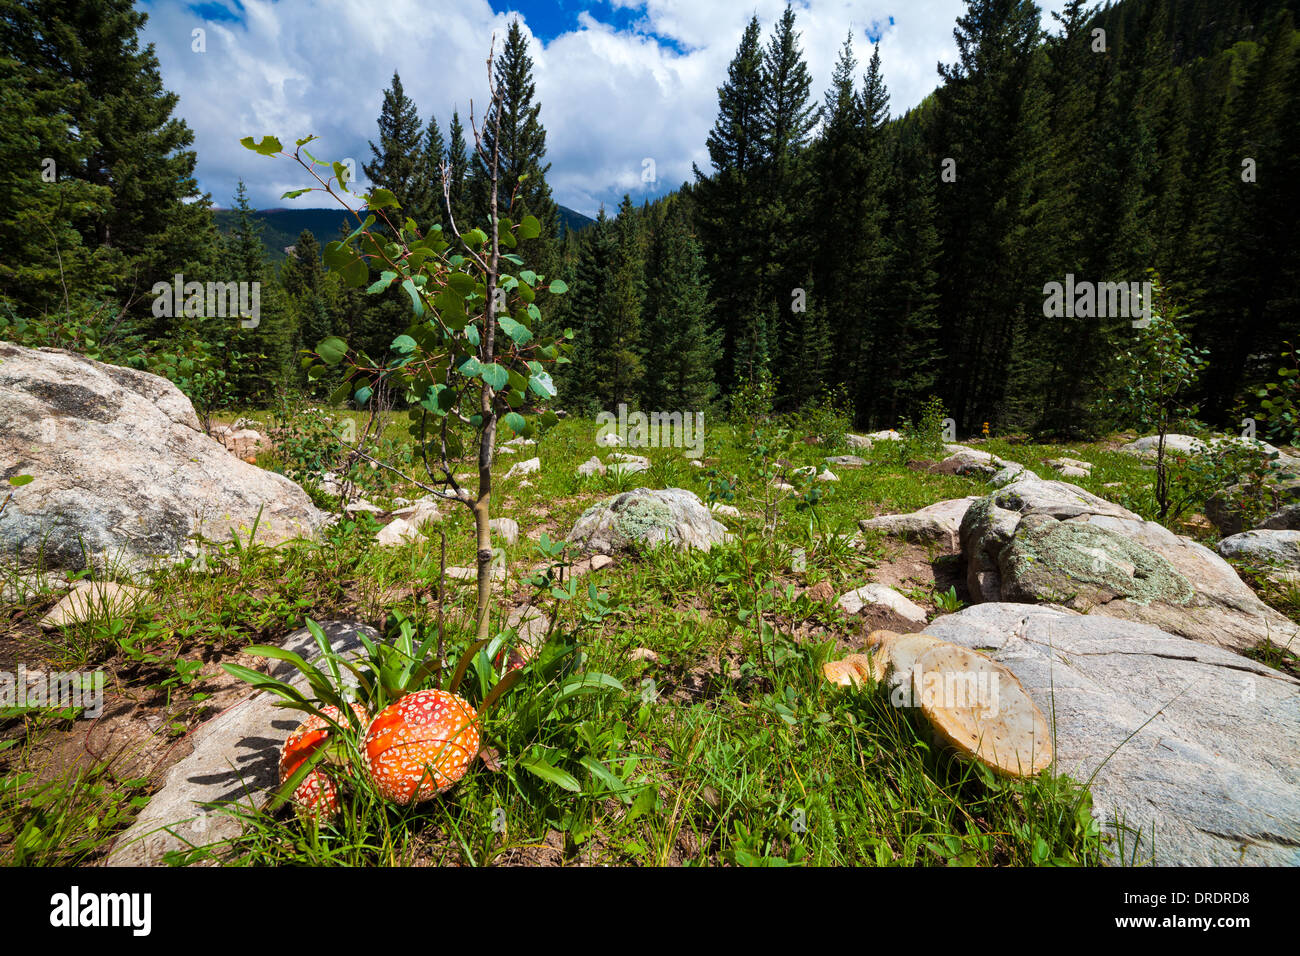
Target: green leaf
x=529, y=228
x=363, y=394
x=332, y=350
x=383, y=282
x=294, y=193
x=417, y=304
x=518, y=332
x=494, y=375
x=269, y=145
x=539, y=766
x=558, y=287
x=404, y=344
x=380, y=198
x=515, y=422
x=541, y=385
x=354, y=275
x=18, y=481
x=462, y=283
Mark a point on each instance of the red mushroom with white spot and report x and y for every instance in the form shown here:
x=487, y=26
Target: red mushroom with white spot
x=421, y=745
x=318, y=793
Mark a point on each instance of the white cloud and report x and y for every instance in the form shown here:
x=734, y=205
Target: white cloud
x=610, y=98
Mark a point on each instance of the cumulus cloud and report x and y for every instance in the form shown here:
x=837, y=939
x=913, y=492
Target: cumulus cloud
x=611, y=98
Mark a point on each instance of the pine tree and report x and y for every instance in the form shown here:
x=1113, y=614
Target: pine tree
x=788, y=116
x=83, y=58
x=257, y=360
x=397, y=163
x=304, y=280
x=726, y=212
x=458, y=168
x=590, y=294
x=681, y=344
x=622, y=366
x=989, y=260
x=522, y=147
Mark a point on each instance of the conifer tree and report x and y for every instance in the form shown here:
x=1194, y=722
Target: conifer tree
x=397, y=162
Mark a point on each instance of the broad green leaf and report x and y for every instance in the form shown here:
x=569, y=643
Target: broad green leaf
x=518, y=332
x=404, y=344
x=541, y=385
x=332, y=350
x=558, y=286
x=515, y=422
x=269, y=145
x=529, y=228
x=417, y=304
x=380, y=198
x=494, y=375
x=383, y=282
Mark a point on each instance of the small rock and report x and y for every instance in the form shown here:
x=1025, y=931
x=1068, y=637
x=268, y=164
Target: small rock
x=854, y=602
x=505, y=528
x=827, y=475
x=628, y=464
x=727, y=511
x=592, y=466
x=846, y=461
x=524, y=468
x=91, y=600
x=643, y=654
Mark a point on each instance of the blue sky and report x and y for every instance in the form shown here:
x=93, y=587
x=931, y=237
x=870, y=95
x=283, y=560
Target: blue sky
x=625, y=85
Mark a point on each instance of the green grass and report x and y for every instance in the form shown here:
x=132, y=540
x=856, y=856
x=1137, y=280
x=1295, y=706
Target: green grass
x=727, y=747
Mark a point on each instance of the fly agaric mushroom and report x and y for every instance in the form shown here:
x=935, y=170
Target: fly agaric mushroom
x=420, y=746
x=318, y=793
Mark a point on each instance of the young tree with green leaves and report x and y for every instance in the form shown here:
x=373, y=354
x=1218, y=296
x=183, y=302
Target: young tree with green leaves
x=1154, y=377
x=469, y=361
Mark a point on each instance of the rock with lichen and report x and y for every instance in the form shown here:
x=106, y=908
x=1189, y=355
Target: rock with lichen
x=645, y=518
x=1051, y=542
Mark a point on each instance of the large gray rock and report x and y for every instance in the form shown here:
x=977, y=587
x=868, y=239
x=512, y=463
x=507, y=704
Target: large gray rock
x=937, y=522
x=645, y=518
x=1052, y=542
x=1185, y=445
x=234, y=760
x=971, y=461
x=1279, y=498
x=122, y=469
x=1190, y=748
x=1280, y=549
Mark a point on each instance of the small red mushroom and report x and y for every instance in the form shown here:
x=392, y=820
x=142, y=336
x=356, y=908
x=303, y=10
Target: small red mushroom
x=318, y=793
x=420, y=746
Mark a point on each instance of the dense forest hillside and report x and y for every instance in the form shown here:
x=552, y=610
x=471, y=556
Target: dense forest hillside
x=855, y=257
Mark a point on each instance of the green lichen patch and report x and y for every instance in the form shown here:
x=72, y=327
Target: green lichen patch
x=639, y=518
x=1048, y=559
